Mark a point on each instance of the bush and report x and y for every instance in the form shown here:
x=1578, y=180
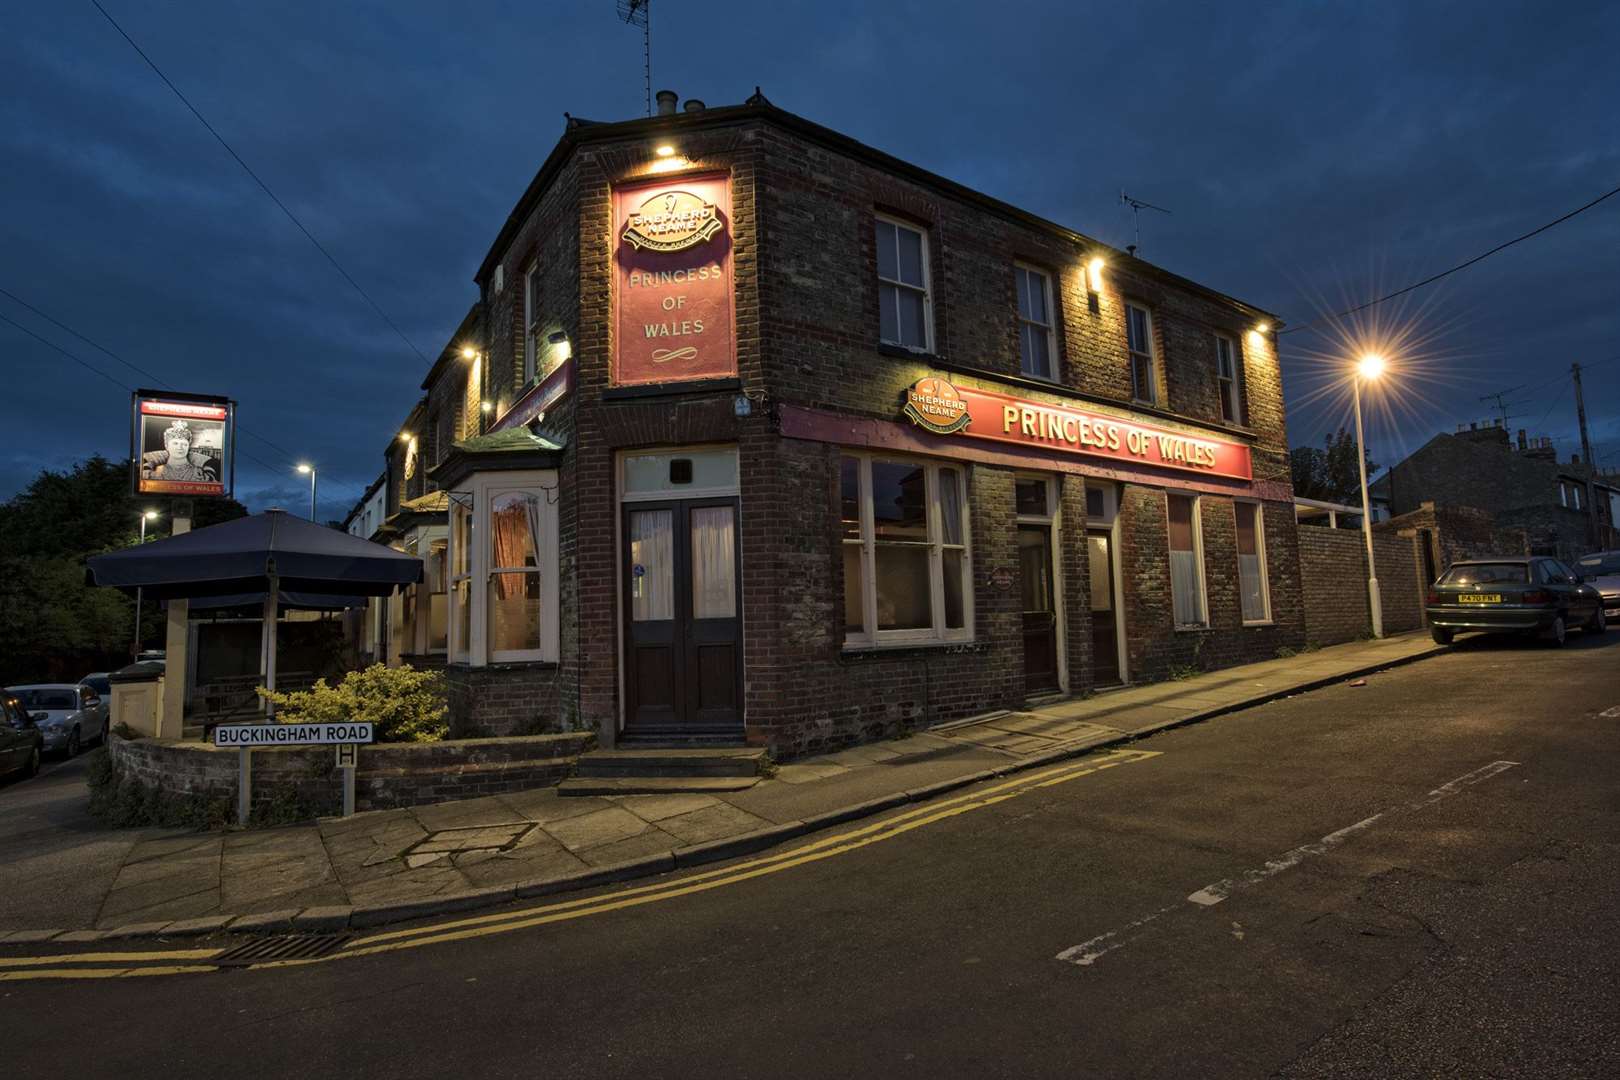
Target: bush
x=403, y=704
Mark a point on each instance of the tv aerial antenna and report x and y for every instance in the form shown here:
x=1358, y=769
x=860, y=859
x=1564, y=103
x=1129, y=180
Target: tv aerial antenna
x=1502, y=404
x=1137, y=206
x=639, y=13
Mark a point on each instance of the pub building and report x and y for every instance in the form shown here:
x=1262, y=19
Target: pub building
x=759, y=436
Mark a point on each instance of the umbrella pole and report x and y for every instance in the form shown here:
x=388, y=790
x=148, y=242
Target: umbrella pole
x=268, y=642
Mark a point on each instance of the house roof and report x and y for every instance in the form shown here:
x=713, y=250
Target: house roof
x=499, y=451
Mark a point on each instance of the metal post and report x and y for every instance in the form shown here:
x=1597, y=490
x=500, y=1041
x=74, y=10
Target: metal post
x=312, y=472
x=267, y=640
x=136, y=655
x=177, y=644
x=1593, y=538
x=348, y=784
x=1373, y=598
x=244, y=784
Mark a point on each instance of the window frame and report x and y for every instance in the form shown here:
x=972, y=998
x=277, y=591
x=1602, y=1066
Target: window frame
x=1050, y=326
x=1198, y=558
x=1226, y=384
x=870, y=637
x=926, y=289
x=477, y=500
x=531, y=323
x=1152, y=354
x=1260, y=551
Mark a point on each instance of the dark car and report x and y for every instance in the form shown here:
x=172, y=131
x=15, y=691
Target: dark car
x=1526, y=594
x=21, y=742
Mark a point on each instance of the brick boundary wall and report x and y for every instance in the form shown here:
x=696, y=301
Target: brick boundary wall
x=1333, y=577
x=390, y=774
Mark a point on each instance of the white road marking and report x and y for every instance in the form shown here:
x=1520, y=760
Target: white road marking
x=1611, y=713
x=1089, y=952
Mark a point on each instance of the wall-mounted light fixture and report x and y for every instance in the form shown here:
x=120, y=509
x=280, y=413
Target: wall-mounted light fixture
x=1257, y=336
x=558, y=340
x=664, y=150
x=469, y=353
x=487, y=406
x=1094, y=270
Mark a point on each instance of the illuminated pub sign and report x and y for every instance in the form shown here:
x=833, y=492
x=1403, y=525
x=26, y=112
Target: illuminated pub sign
x=935, y=405
x=672, y=281
x=182, y=444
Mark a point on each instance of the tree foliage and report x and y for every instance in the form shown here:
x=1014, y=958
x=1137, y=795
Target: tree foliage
x=54, y=626
x=1329, y=473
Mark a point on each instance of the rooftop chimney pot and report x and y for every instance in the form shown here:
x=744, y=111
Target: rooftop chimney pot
x=693, y=105
x=666, y=102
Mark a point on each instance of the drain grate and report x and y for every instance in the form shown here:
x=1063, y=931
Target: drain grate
x=282, y=947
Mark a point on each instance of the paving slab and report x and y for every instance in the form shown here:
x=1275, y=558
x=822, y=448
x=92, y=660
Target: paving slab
x=658, y=807
x=544, y=805
x=524, y=865
x=652, y=842
x=436, y=880
x=804, y=773
x=595, y=829
x=468, y=813
x=711, y=823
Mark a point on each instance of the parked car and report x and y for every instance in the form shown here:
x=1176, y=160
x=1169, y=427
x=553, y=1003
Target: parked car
x=68, y=715
x=21, y=742
x=1515, y=594
x=1602, y=572
x=98, y=681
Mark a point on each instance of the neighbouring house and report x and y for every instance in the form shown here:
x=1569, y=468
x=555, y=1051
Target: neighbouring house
x=757, y=435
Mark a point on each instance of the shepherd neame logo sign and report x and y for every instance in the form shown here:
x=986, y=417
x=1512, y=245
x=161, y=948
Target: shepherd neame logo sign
x=671, y=221
x=935, y=405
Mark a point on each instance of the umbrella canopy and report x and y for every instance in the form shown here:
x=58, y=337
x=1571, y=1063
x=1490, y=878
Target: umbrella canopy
x=242, y=556
x=288, y=601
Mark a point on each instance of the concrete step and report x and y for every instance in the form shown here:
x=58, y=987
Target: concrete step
x=671, y=762
x=654, y=785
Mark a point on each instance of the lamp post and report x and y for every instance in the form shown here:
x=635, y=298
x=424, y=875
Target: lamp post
x=146, y=515
x=1370, y=368
x=310, y=469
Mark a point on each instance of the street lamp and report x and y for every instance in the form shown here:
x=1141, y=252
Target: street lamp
x=146, y=515
x=1369, y=369
x=310, y=469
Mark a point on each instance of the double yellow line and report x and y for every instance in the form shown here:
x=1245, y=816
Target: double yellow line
x=187, y=961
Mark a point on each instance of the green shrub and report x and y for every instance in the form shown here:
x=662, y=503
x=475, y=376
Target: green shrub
x=403, y=704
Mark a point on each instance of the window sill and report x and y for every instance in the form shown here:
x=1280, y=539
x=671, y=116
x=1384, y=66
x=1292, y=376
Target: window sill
x=1193, y=628
x=1259, y=623
x=862, y=650
x=906, y=352
x=504, y=665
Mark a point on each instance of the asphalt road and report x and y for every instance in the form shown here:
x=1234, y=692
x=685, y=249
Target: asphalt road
x=1398, y=900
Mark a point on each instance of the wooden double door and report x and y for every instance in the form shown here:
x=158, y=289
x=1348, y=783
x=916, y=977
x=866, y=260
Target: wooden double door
x=682, y=618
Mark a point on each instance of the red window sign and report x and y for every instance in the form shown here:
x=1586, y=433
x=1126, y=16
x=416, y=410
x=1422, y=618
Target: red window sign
x=672, y=281
x=937, y=406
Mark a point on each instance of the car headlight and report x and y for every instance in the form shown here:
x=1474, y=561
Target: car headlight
x=56, y=727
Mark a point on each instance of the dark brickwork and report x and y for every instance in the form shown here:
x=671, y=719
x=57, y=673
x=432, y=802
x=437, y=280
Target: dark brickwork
x=1333, y=568
x=389, y=774
x=505, y=699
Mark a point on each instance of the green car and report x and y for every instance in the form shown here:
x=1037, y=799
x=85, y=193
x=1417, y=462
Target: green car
x=1513, y=595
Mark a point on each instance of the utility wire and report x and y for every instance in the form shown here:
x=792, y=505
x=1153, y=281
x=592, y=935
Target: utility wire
x=256, y=179
x=1446, y=273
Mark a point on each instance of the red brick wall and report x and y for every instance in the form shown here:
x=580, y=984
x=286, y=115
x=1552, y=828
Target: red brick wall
x=1333, y=569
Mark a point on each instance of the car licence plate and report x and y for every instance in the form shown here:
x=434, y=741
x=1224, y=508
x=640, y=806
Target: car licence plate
x=1480, y=598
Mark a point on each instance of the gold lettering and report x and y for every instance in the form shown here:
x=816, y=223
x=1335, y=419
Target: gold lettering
x=1026, y=421
x=1009, y=416
x=1113, y=437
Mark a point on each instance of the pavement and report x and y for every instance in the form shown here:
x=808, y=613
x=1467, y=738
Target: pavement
x=385, y=866
x=1418, y=876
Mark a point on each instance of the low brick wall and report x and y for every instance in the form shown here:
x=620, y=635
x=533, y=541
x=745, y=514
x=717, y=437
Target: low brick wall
x=390, y=774
x=503, y=699
x=1333, y=575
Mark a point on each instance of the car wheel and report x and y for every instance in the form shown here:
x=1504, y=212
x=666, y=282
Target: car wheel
x=73, y=743
x=1556, y=632
x=1441, y=635
x=32, y=767
x=1598, y=623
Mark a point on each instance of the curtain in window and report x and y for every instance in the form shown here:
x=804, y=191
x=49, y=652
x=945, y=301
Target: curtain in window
x=652, y=561
x=714, y=565
x=1186, y=589
x=514, y=525
x=1251, y=585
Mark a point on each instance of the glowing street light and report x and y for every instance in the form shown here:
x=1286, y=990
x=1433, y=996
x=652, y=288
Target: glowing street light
x=305, y=468
x=1369, y=369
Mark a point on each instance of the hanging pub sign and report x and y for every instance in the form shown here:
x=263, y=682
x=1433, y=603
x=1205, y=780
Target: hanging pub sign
x=933, y=404
x=182, y=444
x=672, y=281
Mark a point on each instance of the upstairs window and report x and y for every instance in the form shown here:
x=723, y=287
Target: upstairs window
x=1035, y=342
x=906, y=313
x=531, y=322
x=1139, y=339
x=1226, y=377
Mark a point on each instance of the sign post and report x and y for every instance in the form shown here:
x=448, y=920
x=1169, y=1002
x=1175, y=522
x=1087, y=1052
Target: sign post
x=244, y=737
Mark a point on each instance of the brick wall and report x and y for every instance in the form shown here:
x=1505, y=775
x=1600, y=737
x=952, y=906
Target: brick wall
x=506, y=699
x=390, y=774
x=1333, y=573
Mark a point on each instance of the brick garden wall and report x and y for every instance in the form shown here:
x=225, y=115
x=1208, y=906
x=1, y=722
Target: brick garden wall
x=505, y=699
x=1333, y=573
x=390, y=774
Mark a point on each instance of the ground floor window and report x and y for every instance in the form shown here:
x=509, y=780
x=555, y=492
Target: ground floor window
x=502, y=558
x=1187, y=562
x=1251, y=548
x=907, y=571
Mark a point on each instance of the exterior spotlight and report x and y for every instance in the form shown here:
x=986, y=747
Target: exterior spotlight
x=1094, y=271
x=1262, y=328
x=404, y=436
x=1371, y=366
x=559, y=342
x=468, y=352
x=487, y=406
x=664, y=150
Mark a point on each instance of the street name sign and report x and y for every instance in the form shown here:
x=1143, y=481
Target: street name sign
x=248, y=736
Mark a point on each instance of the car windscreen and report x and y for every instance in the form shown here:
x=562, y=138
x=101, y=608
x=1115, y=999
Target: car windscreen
x=102, y=687
x=1505, y=573
x=1607, y=562
x=47, y=700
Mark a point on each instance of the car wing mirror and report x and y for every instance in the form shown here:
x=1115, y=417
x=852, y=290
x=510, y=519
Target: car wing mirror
x=38, y=718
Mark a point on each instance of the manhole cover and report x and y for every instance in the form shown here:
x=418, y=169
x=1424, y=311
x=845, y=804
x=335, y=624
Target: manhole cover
x=281, y=947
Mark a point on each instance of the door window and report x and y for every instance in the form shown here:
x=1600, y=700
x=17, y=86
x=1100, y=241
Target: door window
x=652, y=565
x=714, y=563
